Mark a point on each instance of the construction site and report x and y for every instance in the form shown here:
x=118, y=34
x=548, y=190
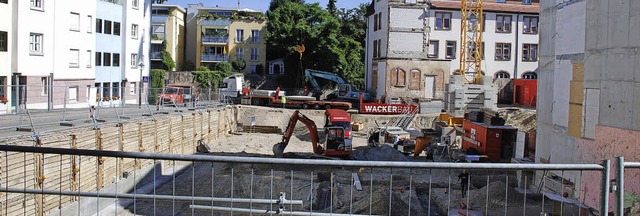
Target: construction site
x=424, y=136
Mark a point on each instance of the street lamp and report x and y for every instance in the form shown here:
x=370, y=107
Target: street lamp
x=141, y=66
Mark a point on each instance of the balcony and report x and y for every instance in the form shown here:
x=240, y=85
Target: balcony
x=254, y=40
x=213, y=57
x=156, y=55
x=210, y=39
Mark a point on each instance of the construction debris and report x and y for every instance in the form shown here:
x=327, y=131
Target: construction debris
x=382, y=153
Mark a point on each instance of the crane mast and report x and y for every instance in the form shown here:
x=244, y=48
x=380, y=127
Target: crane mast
x=471, y=41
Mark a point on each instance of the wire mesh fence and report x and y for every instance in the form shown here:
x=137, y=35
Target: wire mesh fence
x=87, y=182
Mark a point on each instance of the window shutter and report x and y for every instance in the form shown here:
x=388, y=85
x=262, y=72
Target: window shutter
x=402, y=77
x=394, y=76
x=415, y=80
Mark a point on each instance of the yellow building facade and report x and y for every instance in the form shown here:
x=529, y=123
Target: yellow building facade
x=167, y=25
x=224, y=34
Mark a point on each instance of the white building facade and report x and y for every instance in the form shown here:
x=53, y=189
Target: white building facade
x=510, y=37
x=6, y=40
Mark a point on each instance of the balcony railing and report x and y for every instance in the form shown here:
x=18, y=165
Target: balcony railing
x=254, y=40
x=156, y=55
x=214, y=57
x=215, y=39
x=118, y=2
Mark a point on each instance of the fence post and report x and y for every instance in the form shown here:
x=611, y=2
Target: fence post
x=620, y=191
x=604, y=188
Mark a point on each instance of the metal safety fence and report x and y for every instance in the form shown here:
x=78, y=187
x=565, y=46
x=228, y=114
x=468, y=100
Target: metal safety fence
x=619, y=182
x=88, y=182
x=41, y=108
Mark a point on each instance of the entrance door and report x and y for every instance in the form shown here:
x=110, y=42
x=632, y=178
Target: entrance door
x=429, y=86
x=73, y=94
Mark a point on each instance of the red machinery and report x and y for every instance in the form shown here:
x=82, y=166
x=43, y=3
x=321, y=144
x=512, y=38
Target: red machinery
x=525, y=91
x=496, y=142
x=337, y=131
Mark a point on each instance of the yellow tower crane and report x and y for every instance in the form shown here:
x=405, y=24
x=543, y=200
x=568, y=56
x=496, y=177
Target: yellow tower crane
x=471, y=41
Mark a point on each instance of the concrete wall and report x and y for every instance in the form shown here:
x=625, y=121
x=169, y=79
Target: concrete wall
x=588, y=87
x=169, y=134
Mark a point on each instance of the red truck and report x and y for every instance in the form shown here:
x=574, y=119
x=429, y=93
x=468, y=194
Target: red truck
x=176, y=95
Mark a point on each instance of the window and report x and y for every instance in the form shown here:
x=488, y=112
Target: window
x=502, y=74
x=526, y=2
x=255, y=36
x=88, y=58
x=4, y=45
x=254, y=54
x=529, y=52
x=89, y=23
x=6, y=2
x=116, y=89
x=74, y=21
x=375, y=22
x=503, y=51
x=239, y=36
x=375, y=49
x=35, y=44
x=501, y=1
x=106, y=59
x=398, y=78
x=44, y=81
x=98, y=25
x=132, y=88
x=451, y=50
x=74, y=55
x=471, y=48
x=134, y=31
x=433, y=49
x=73, y=94
x=37, y=4
x=415, y=80
x=239, y=53
x=98, y=59
x=380, y=21
x=503, y=23
x=529, y=75
x=443, y=21
x=134, y=60
x=134, y=4
x=116, y=28
x=116, y=60
x=107, y=27
x=530, y=25
x=379, y=47
x=253, y=68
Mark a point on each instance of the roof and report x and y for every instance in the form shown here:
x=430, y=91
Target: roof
x=201, y=6
x=489, y=6
x=168, y=6
x=503, y=127
x=338, y=115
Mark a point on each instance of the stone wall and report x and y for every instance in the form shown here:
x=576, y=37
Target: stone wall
x=177, y=134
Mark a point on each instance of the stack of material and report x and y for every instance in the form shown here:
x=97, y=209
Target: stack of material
x=261, y=129
x=462, y=98
x=476, y=116
x=492, y=117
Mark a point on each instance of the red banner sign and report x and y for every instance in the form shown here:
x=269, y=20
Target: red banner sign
x=374, y=108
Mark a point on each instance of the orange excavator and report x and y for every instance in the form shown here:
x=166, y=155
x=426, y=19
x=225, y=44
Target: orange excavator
x=336, y=143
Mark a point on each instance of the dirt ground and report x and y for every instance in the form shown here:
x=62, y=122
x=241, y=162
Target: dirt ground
x=329, y=190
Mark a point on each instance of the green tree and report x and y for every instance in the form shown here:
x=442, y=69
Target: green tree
x=277, y=3
x=331, y=7
x=157, y=83
x=239, y=64
x=224, y=67
x=167, y=60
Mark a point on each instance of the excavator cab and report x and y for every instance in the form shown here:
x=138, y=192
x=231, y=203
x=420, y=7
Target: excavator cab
x=334, y=139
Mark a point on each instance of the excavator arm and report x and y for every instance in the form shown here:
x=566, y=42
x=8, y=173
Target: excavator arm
x=312, y=74
x=278, y=149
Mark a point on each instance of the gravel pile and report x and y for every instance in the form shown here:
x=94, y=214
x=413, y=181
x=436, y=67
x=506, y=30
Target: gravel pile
x=497, y=196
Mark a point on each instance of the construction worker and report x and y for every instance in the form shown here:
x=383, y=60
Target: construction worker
x=464, y=182
x=283, y=100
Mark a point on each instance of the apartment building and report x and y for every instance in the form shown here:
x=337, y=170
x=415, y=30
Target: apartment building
x=216, y=34
x=6, y=40
x=121, y=42
x=167, y=25
x=397, y=61
x=510, y=36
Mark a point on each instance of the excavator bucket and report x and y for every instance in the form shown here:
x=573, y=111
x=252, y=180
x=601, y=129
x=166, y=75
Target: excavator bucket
x=278, y=150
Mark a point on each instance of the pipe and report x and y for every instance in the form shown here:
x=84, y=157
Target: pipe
x=604, y=188
x=517, y=47
x=143, y=196
x=261, y=211
x=298, y=162
x=620, y=191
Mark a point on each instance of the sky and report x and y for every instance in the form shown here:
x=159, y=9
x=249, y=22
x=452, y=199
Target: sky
x=262, y=5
